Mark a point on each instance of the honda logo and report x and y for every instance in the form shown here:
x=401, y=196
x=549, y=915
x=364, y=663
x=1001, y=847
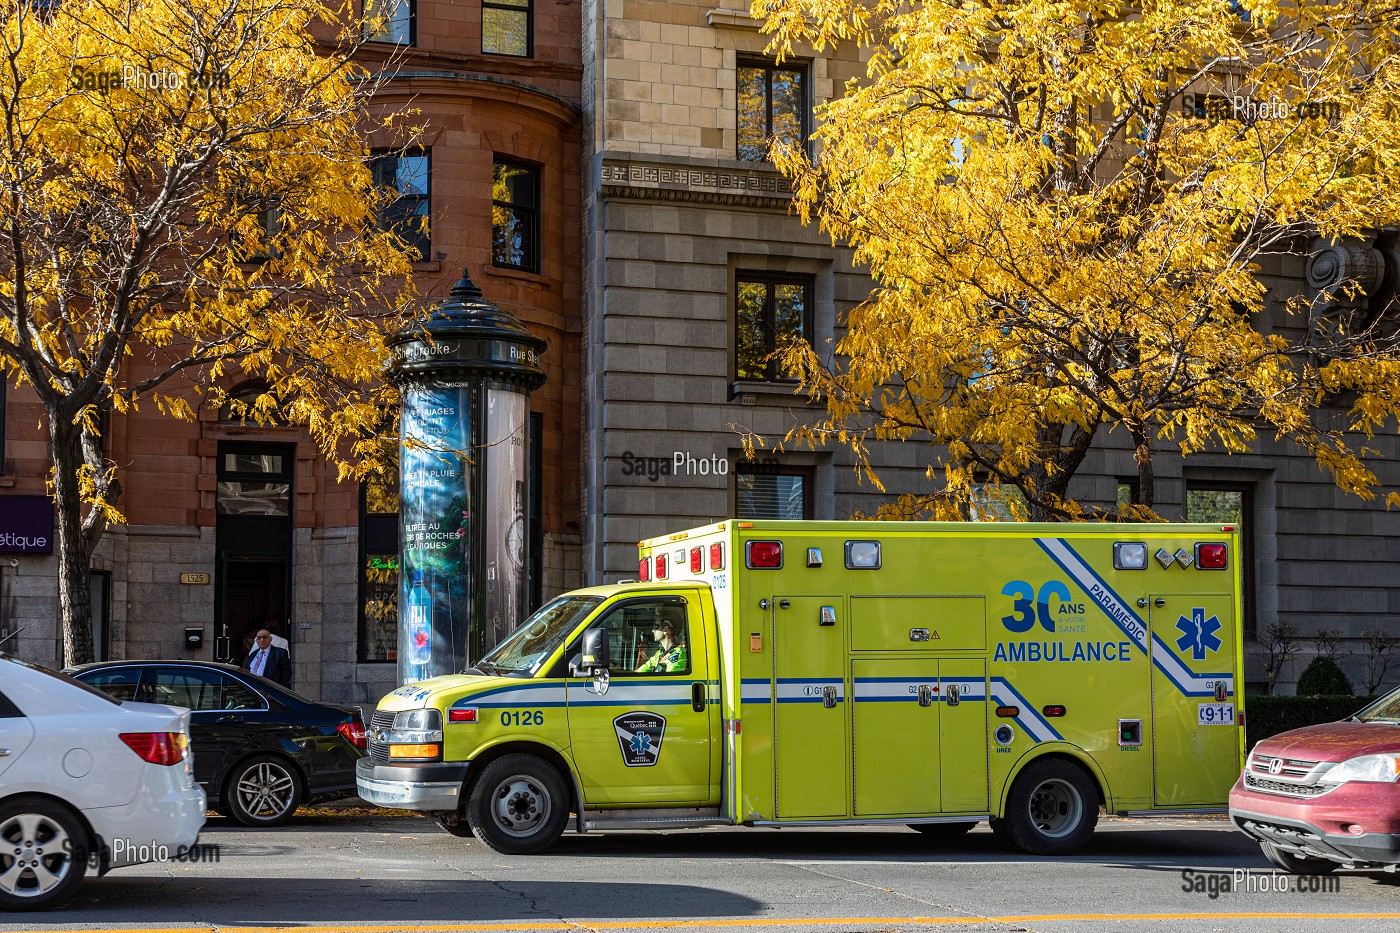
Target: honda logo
x=1276, y=766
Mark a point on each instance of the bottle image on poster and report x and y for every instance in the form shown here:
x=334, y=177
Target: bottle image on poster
x=435, y=508
x=420, y=629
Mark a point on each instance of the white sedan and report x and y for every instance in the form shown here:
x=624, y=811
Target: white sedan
x=86, y=782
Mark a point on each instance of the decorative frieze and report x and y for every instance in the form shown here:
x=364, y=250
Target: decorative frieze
x=628, y=178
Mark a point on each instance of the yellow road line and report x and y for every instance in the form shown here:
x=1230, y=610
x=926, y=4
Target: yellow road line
x=722, y=922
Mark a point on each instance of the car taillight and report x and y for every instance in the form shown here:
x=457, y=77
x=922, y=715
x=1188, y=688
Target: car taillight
x=159, y=748
x=644, y=569
x=354, y=733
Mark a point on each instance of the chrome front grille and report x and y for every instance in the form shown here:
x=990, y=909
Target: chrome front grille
x=1290, y=769
x=379, y=751
x=1254, y=782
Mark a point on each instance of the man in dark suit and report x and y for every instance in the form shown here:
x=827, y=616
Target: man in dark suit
x=270, y=661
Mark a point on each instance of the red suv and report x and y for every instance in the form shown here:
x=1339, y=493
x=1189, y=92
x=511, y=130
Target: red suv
x=1326, y=796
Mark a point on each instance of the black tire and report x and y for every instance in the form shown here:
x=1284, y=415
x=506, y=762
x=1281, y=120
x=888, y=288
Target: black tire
x=1297, y=864
x=43, y=854
x=518, y=805
x=457, y=826
x=264, y=790
x=1002, y=831
x=1052, y=809
x=943, y=832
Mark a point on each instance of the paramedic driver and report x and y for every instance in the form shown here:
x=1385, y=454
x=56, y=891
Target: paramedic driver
x=670, y=653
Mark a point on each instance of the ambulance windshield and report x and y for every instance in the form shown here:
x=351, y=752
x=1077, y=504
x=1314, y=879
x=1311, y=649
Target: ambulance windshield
x=526, y=650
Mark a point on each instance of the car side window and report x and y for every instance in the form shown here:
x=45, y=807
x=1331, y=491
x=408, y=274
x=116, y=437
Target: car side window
x=647, y=638
x=120, y=684
x=237, y=696
x=192, y=689
x=9, y=710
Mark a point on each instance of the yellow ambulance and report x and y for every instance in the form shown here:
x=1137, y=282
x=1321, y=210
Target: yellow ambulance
x=766, y=673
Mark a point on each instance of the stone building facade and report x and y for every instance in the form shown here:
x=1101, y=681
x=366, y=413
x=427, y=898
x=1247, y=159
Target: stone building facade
x=253, y=516
x=685, y=224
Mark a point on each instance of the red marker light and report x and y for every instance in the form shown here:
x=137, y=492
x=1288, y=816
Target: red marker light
x=1053, y=711
x=644, y=569
x=461, y=715
x=697, y=560
x=660, y=566
x=717, y=556
x=1212, y=556
x=764, y=555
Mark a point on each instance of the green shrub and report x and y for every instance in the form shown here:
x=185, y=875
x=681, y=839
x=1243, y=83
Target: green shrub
x=1323, y=678
x=1266, y=716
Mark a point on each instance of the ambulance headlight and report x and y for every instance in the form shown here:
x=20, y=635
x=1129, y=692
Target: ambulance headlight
x=416, y=726
x=1129, y=555
x=1379, y=768
x=862, y=555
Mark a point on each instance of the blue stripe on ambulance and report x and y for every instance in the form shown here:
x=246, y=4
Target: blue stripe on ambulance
x=1102, y=595
x=1029, y=719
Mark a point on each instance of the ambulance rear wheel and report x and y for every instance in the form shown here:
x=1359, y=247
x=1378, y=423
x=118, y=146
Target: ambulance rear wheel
x=1053, y=808
x=944, y=832
x=518, y=805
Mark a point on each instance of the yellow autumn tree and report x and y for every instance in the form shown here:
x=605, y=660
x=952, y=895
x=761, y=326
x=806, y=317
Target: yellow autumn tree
x=185, y=197
x=1066, y=207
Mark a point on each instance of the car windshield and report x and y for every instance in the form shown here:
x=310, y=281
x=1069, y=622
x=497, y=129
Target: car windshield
x=1386, y=709
x=526, y=650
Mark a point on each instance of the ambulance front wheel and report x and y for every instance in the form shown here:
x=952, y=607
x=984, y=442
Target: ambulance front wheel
x=1053, y=808
x=518, y=805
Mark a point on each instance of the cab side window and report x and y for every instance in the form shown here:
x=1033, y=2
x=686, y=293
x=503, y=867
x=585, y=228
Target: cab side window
x=121, y=684
x=647, y=638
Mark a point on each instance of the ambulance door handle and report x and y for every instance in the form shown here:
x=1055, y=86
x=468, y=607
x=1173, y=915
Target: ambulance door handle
x=1159, y=602
x=829, y=697
x=697, y=696
x=784, y=604
x=925, y=695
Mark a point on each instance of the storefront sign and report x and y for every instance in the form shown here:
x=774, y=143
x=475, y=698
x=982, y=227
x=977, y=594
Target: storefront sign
x=26, y=525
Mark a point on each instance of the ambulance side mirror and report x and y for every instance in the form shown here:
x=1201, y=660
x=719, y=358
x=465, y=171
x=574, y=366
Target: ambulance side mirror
x=595, y=651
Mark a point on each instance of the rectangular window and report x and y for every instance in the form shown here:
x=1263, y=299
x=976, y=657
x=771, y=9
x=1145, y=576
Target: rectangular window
x=996, y=502
x=508, y=27
x=2, y=423
x=1224, y=503
x=515, y=199
x=251, y=482
x=393, y=21
x=764, y=490
x=379, y=572
x=770, y=312
x=773, y=106
x=408, y=174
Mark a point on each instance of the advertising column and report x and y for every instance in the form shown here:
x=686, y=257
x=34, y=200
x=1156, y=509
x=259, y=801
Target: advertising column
x=465, y=373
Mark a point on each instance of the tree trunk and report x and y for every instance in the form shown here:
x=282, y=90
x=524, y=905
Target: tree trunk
x=74, y=553
x=1142, y=454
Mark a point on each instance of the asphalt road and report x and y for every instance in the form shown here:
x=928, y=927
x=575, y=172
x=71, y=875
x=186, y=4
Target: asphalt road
x=376, y=875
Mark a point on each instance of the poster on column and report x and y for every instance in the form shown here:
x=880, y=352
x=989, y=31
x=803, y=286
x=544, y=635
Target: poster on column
x=506, y=417
x=435, y=509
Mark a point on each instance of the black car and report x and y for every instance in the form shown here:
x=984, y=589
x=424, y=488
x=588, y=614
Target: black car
x=260, y=750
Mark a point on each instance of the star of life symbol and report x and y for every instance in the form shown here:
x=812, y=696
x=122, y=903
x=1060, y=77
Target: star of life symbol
x=639, y=735
x=1198, y=634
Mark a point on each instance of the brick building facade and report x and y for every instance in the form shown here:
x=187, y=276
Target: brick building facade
x=255, y=510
